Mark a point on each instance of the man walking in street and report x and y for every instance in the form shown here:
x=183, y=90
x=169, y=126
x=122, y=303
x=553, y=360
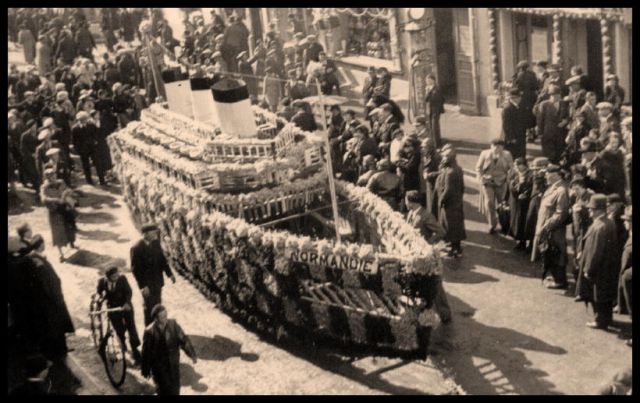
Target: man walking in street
x=163, y=340
x=600, y=265
x=550, y=235
x=147, y=265
x=116, y=291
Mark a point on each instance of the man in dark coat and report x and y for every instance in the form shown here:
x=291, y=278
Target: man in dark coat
x=84, y=135
x=163, y=340
x=66, y=48
x=312, y=50
x=147, y=265
x=429, y=170
x=51, y=307
x=552, y=122
x=389, y=124
x=449, y=192
x=514, y=125
x=434, y=101
x=625, y=285
x=600, y=267
x=303, y=119
x=85, y=42
x=115, y=289
x=526, y=82
x=520, y=184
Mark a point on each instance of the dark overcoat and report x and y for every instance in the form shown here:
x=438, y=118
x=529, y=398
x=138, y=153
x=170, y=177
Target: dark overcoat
x=515, y=121
x=625, y=264
x=148, y=263
x=598, y=263
x=161, y=355
x=519, y=197
x=429, y=171
x=552, y=136
x=449, y=190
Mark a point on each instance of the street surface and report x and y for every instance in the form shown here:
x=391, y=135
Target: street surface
x=509, y=335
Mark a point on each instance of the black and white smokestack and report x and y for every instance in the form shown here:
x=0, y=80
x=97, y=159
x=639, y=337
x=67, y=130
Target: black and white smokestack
x=231, y=99
x=178, y=91
x=202, y=101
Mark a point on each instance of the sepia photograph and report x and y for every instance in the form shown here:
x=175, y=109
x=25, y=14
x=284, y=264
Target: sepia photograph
x=319, y=201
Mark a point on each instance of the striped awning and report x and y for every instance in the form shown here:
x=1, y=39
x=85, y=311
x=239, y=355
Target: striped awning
x=613, y=14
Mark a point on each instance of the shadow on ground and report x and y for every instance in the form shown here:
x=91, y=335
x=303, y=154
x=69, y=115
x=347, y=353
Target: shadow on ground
x=86, y=258
x=488, y=360
x=219, y=348
x=100, y=235
x=97, y=201
x=20, y=202
x=97, y=217
x=189, y=376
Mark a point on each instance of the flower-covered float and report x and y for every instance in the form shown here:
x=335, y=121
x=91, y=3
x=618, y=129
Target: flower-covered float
x=244, y=208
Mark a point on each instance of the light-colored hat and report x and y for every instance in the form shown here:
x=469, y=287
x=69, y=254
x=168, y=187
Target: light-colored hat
x=573, y=80
x=220, y=37
x=27, y=93
x=627, y=121
x=116, y=87
x=60, y=87
x=82, y=115
x=47, y=122
x=604, y=105
x=44, y=134
x=52, y=151
x=49, y=171
x=62, y=96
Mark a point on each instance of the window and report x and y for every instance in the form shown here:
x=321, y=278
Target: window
x=367, y=35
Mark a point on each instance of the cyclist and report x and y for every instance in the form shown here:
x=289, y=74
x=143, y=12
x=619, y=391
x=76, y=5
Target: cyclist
x=115, y=289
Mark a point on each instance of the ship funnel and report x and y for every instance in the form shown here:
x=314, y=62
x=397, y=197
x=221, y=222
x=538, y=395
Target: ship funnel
x=202, y=101
x=178, y=92
x=231, y=98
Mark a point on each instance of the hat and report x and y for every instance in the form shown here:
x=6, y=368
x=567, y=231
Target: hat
x=597, y=202
x=62, y=96
x=386, y=107
x=116, y=87
x=82, y=115
x=626, y=121
x=241, y=55
x=383, y=164
x=604, y=105
x=47, y=122
x=149, y=227
x=49, y=171
x=27, y=93
x=216, y=54
x=414, y=196
x=540, y=162
x=397, y=131
x=514, y=92
x=156, y=310
x=206, y=52
x=311, y=37
x=422, y=120
x=111, y=270
x=52, y=151
x=522, y=64
x=551, y=168
x=577, y=181
x=298, y=35
x=497, y=142
x=368, y=159
x=627, y=213
x=612, y=77
x=36, y=364
x=554, y=90
x=520, y=161
x=554, y=67
x=614, y=198
x=573, y=80
x=219, y=37
x=60, y=87
x=44, y=134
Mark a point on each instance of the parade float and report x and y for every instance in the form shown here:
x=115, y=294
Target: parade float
x=251, y=215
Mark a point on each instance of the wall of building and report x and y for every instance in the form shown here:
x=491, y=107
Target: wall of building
x=483, y=63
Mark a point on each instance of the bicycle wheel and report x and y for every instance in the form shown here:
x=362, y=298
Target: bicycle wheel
x=113, y=357
x=97, y=329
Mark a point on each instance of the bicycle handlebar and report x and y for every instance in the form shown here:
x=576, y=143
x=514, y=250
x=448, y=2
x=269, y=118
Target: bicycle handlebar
x=119, y=309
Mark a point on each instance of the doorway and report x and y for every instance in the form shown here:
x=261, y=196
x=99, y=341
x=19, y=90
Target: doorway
x=594, y=57
x=445, y=53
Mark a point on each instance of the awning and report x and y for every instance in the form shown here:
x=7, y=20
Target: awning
x=612, y=14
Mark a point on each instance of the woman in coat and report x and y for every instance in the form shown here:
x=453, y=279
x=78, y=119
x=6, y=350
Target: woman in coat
x=161, y=346
x=51, y=195
x=520, y=186
x=44, y=54
x=449, y=190
x=28, y=43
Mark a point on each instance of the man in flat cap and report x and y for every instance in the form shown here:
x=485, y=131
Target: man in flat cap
x=552, y=124
x=613, y=93
x=84, y=136
x=114, y=288
x=599, y=266
x=550, y=231
x=148, y=262
x=515, y=120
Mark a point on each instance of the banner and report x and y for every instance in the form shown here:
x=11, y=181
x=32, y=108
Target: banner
x=343, y=262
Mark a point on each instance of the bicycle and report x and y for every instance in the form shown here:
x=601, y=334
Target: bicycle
x=110, y=348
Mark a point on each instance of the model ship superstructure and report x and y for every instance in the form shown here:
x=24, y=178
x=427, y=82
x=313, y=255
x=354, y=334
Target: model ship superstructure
x=244, y=204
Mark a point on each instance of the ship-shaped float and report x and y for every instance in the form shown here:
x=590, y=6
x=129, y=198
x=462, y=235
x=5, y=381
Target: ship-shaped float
x=244, y=205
